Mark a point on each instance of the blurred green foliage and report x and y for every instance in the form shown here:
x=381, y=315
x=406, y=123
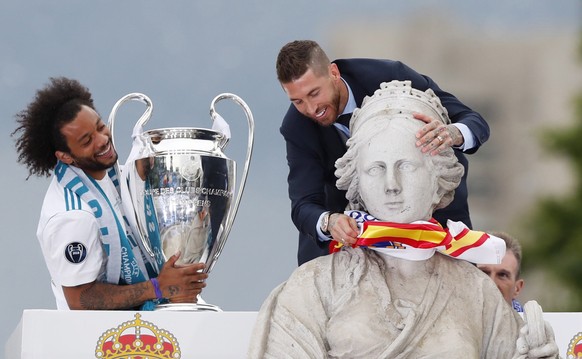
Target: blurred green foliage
x=554, y=228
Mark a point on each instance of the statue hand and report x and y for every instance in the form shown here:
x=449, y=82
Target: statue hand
x=536, y=337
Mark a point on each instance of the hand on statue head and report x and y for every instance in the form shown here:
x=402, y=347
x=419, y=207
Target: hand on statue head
x=435, y=136
x=343, y=228
x=181, y=283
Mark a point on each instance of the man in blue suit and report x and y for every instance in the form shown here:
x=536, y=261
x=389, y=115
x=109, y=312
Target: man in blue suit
x=316, y=126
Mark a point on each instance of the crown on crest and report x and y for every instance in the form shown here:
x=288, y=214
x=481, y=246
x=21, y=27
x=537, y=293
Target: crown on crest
x=137, y=339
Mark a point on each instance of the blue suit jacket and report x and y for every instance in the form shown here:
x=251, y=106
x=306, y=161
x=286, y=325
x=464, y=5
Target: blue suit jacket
x=312, y=151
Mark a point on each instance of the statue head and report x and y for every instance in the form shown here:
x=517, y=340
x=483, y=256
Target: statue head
x=383, y=171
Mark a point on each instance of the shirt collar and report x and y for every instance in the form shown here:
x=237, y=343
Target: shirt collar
x=351, y=104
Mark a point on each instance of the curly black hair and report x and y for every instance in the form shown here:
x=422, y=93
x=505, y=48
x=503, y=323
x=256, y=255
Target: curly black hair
x=55, y=105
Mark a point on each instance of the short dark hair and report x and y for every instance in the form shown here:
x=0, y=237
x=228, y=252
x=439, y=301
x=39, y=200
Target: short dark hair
x=40, y=123
x=296, y=57
x=513, y=245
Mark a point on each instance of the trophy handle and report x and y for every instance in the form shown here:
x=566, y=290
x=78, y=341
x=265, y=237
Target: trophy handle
x=125, y=188
x=250, y=143
x=145, y=117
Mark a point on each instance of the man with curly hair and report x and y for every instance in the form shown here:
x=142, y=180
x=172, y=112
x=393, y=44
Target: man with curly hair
x=94, y=260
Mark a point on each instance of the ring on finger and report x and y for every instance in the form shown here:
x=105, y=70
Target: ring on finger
x=439, y=137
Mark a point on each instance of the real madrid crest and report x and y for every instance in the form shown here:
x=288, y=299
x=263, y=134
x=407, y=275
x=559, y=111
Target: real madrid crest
x=137, y=339
x=575, y=347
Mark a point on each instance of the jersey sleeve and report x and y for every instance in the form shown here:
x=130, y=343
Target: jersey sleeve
x=72, y=248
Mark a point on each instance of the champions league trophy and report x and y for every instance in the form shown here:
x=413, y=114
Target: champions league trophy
x=177, y=189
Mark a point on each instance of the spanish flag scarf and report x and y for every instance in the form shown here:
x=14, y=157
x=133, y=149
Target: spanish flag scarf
x=420, y=240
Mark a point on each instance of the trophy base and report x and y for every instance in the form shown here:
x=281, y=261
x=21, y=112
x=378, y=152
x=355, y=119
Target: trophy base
x=188, y=307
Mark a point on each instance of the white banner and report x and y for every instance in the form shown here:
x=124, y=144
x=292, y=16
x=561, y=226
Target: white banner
x=101, y=334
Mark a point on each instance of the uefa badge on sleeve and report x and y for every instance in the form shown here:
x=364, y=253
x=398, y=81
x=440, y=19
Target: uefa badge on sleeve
x=75, y=252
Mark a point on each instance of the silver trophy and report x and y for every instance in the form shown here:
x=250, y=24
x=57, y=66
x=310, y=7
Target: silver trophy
x=178, y=189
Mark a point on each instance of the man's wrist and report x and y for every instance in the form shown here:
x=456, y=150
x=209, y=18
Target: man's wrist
x=325, y=223
x=468, y=139
x=456, y=135
x=157, y=289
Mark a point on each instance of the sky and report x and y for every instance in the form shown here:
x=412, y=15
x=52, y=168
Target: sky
x=182, y=54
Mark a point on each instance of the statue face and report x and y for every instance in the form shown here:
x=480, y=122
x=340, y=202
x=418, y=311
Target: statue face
x=396, y=181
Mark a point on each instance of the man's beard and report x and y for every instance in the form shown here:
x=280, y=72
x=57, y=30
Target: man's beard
x=334, y=105
x=89, y=164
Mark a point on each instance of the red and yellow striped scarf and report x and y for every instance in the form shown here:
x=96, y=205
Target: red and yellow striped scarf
x=425, y=235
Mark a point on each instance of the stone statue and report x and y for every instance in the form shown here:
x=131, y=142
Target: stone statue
x=378, y=301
